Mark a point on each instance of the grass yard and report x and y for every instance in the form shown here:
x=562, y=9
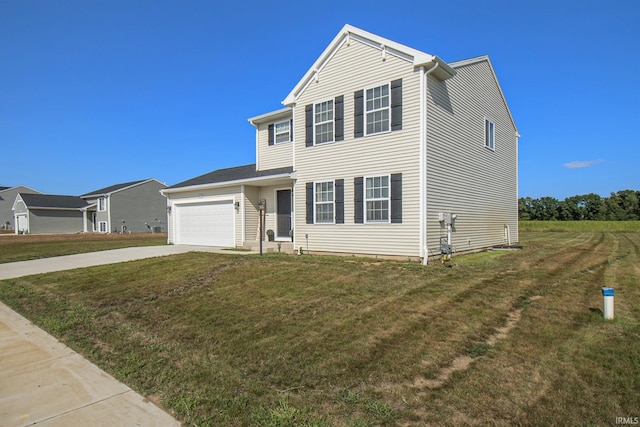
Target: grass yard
x=25, y=247
x=610, y=226
x=502, y=338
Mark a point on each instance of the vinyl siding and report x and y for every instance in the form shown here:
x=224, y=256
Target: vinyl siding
x=7, y=198
x=199, y=196
x=251, y=200
x=139, y=205
x=464, y=177
x=272, y=156
x=353, y=68
x=43, y=221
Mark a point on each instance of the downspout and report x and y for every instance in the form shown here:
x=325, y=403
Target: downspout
x=424, y=250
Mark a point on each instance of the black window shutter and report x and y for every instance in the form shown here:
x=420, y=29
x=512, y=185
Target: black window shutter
x=396, y=198
x=309, y=202
x=308, y=124
x=339, y=118
x=291, y=130
x=339, y=189
x=358, y=196
x=358, y=115
x=396, y=104
x=271, y=134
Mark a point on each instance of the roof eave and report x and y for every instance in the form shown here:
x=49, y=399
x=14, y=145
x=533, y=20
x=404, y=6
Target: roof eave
x=260, y=179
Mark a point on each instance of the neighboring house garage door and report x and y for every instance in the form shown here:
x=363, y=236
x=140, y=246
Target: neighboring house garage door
x=208, y=224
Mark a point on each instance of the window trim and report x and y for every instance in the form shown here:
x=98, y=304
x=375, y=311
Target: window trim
x=276, y=133
x=332, y=121
x=365, y=199
x=102, y=204
x=366, y=112
x=489, y=134
x=106, y=227
x=333, y=202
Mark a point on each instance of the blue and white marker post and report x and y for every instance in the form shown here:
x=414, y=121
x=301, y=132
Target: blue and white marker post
x=607, y=294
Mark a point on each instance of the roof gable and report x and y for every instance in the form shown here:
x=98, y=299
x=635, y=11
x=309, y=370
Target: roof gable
x=485, y=58
x=348, y=34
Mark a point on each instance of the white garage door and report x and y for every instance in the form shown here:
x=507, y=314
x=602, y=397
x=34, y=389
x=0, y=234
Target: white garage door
x=207, y=224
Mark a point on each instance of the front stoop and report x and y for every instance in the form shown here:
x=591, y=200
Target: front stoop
x=269, y=247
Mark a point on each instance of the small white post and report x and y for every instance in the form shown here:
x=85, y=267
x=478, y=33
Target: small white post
x=607, y=294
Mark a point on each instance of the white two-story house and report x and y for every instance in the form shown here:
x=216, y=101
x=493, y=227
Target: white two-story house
x=381, y=149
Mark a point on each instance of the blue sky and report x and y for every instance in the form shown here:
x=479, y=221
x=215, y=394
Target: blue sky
x=97, y=92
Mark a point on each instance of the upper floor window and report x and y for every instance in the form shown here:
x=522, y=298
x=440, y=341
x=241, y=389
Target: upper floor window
x=377, y=106
x=102, y=204
x=489, y=134
x=323, y=121
x=324, y=202
x=283, y=131
x=377, y=198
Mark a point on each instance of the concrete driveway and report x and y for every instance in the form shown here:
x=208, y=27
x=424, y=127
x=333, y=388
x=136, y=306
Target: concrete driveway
x=45, y=383
x=69, y=262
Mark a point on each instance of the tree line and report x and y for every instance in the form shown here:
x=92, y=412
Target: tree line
x=621, y=206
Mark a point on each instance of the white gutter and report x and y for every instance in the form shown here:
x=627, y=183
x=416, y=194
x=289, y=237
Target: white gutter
x=424, y=250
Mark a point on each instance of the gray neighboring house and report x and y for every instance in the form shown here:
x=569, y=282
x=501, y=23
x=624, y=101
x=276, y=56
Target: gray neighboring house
x=7, y=197
x=47, y=213
x=130, y=207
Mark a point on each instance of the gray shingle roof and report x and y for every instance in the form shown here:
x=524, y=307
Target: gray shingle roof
x=112, y=188
x=4, y=188
x=53, y=201
x=231, y=174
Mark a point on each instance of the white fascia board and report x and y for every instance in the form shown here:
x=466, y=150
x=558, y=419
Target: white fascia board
x=257, y=180
x=274, y=115
x=48, y=208
x=13, y=207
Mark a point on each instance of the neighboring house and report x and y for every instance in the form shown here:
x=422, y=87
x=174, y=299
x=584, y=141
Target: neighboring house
x=47, y=213
x=7, y=198
x=382, y=149
x=130, y=207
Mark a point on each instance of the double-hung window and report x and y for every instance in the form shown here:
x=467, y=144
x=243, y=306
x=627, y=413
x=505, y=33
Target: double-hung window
x=489, y=134
x=377, y=198
x=102, y=226
x=102, y=204
x=282, y=131
x=323, y=122
x=377, y=109
x=324, y=202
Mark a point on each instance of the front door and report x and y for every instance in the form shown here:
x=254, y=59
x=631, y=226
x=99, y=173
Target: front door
x=284, y=214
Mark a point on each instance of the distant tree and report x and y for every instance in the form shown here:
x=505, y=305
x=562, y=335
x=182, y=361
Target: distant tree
x=621, y=206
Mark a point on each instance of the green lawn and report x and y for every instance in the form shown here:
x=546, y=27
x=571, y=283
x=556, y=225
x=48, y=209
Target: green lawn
x=25, y=247
x=610, y=226
x=504, y=338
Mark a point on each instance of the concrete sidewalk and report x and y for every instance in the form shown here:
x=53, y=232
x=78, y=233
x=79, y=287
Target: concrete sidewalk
x=67, y=262
x=45, y=383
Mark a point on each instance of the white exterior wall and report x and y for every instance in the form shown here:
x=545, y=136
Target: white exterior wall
x=464, y=177
x=352, y=68
x=272, y=156
x=201, y=196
